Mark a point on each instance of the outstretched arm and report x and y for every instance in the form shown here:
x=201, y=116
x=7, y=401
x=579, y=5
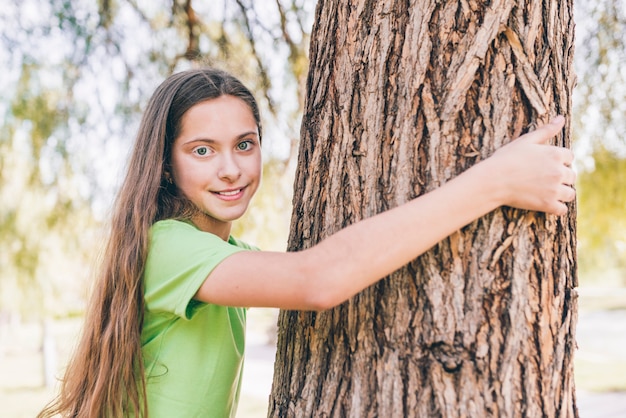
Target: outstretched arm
x=526, y=174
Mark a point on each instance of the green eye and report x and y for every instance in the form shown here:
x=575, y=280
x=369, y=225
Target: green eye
x=244, y=146
x=202, y=151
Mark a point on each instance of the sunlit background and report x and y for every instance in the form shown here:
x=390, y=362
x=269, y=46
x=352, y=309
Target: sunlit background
x=74, y=77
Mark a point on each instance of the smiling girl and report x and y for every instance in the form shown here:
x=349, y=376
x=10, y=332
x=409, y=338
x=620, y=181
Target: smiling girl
x=164, y=332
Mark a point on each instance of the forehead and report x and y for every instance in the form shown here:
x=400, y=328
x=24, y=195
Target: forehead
x=225, y=105
x=222, y=113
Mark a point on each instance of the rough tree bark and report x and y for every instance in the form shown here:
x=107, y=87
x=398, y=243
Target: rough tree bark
x=402, y=96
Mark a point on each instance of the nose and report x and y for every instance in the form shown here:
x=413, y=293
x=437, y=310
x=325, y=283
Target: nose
x=229, y=169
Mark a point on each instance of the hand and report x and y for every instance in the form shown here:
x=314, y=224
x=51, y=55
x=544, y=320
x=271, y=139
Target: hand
x=534, y=175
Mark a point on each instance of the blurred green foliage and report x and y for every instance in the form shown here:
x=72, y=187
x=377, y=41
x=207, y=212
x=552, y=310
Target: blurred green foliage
x=602, y=219
x=599, y=123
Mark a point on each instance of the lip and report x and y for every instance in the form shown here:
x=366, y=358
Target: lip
x=230, y=194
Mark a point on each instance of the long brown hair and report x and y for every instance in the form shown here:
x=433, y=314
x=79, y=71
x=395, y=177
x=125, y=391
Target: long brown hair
x=105, y=378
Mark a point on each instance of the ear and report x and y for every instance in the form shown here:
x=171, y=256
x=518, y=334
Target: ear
x=168, y=177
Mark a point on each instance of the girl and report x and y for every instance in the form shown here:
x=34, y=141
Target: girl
x=164, y=334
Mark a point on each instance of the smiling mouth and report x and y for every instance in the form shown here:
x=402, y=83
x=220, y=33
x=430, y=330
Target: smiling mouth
x=230, y=193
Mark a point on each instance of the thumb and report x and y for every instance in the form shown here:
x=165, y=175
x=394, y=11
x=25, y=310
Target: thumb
x=544, y=133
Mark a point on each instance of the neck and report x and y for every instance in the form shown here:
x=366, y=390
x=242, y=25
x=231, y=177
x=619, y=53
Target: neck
x=215, y=227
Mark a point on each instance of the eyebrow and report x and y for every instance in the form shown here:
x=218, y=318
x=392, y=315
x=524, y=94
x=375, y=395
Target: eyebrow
x=255, y=133
x=213, y=141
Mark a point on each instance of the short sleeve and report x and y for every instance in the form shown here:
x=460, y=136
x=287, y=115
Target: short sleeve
x=180, y=257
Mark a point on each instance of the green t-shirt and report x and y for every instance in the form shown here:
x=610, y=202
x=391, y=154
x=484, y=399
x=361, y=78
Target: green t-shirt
x=193, y=351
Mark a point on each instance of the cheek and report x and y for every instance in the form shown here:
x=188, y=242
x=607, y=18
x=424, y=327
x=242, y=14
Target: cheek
x=254, y=171
x=189, y=177
x=257, y=165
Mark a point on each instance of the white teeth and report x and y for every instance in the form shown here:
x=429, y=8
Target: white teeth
x=231, y=193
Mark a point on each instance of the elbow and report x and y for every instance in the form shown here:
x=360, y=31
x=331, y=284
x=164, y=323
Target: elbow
x=319, y=300
x=321, y=293
x=321, y=288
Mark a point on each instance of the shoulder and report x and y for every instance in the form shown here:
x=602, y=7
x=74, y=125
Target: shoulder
x=172, y=225
x=241, y=244
x=181, y=233
x=172, y=229
x=180, y=257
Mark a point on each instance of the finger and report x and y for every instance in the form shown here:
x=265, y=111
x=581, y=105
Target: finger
x=556, y=208
x=569, y=157
x=566, y=193
x=544, y=133
x=566, y=155
x=563, y=158
x=559, y=155
x=570, y=177
x=559, y=209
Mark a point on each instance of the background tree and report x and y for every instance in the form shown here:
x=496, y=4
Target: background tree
x=401, y=97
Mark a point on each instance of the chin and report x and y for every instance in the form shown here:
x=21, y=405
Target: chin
x=224, y=217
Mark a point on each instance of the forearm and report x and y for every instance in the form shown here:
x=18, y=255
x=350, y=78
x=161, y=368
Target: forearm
x=361, y=254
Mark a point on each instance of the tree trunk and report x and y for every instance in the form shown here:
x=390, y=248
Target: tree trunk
x=401, y=97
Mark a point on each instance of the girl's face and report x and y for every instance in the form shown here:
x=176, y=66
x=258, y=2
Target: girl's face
x=216, y=161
